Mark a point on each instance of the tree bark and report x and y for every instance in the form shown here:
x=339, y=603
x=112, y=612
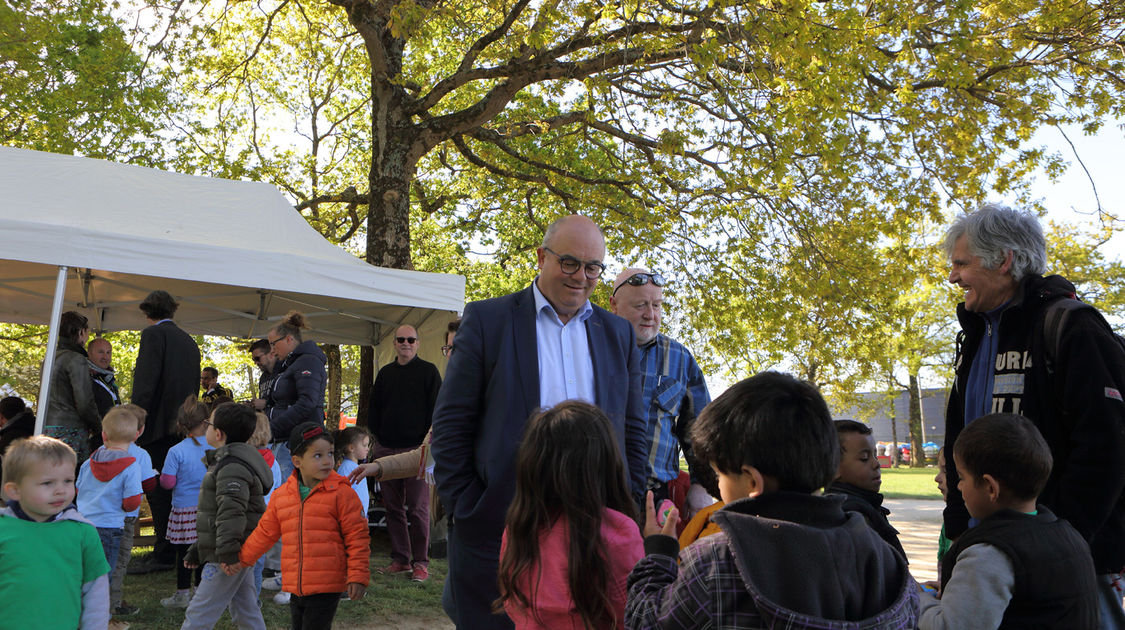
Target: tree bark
x=917, y=457
x=335, y=384
x=894, y=436
x=366, y=380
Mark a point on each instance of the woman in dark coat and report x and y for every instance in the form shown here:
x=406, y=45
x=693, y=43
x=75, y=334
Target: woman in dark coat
x=72, y=413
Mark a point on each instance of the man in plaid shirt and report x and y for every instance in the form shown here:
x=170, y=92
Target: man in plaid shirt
x=672, y=387
x=787, y=556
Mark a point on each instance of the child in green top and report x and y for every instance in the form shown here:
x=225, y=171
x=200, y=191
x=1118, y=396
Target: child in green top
x=53, y=572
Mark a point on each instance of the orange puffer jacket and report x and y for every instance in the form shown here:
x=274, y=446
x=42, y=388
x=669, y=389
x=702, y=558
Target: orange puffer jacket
x=317, y=534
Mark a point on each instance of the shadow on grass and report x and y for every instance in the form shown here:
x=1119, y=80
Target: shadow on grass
x=392, y=601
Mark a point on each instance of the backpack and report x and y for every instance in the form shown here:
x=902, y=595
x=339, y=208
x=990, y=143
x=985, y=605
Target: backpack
x=1054, y=323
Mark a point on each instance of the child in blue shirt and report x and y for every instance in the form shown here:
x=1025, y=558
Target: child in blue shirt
x=125, y=550
x=109, y=483
x=183, y=475
x=352, y=446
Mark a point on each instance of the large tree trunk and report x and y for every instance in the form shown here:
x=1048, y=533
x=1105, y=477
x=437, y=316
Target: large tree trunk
x=917, y=457
x=392, y=163
x=335, y=384
x=894, y=436
x=366, y=379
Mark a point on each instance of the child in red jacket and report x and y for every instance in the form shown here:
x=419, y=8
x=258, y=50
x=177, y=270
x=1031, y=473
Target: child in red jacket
x=317, y=516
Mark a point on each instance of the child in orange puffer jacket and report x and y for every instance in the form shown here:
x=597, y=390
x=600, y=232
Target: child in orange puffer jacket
x=319, y=520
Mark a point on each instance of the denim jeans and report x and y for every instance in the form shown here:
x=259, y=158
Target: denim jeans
x=111, y=540
x=124, y=552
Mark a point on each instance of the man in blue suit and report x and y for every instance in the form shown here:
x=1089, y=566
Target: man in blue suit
x=513, y=355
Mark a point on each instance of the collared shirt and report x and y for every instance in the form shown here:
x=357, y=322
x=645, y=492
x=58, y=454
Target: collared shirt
x=566, y=368
x=674, y=392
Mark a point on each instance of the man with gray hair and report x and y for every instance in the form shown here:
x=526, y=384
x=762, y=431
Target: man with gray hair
x=673, y=390
x=1029, y=347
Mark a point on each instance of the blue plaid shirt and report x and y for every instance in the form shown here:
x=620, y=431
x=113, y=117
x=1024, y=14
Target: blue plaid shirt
x=674, y=392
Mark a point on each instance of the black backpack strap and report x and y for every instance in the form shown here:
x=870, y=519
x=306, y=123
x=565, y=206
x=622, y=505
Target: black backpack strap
x=1054, y=324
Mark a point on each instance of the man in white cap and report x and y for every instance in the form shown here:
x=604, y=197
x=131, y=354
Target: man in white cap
x=673, y=390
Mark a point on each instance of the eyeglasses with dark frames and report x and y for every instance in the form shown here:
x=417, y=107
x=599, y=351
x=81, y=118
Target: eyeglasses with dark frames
x=569, y=265
x=641, y=279
x=405, y=339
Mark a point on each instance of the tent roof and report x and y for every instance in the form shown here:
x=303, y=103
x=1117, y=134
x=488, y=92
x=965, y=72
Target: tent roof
x=234, y=254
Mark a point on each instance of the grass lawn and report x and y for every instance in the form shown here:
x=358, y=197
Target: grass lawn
x=392, y=601
x=910, y=483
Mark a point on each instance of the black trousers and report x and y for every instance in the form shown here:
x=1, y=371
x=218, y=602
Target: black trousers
x=160, y=500
x=313, y=612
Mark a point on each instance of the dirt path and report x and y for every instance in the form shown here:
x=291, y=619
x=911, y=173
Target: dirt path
x=919, y=524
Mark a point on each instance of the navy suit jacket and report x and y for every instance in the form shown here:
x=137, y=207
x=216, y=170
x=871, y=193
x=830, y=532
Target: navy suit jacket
x=491, y=387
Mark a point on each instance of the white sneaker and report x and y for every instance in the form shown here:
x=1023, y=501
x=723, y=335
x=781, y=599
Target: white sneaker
x=272, y=583
x=179, y=599
x=281, y=598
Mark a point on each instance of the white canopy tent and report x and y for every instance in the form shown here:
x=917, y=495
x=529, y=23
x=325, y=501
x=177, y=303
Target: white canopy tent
x=97, y=236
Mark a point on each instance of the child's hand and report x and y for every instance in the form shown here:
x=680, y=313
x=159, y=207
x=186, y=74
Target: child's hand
x=356, y=590
x=374, y=469
x=231, y=569
x=652, y=526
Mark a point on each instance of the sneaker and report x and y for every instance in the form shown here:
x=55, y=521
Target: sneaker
x=125, y=610
x=114, y=624
x=272, y=583
x=179, y=599
x=395, y=567
x=420, y=573
x=281, y=598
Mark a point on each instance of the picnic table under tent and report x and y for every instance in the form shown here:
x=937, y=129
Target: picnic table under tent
x=96, y=237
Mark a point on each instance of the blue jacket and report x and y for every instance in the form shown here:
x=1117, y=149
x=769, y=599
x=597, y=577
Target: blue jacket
x=298, y=391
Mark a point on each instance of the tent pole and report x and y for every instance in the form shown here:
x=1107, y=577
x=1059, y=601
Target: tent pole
x=49, y=360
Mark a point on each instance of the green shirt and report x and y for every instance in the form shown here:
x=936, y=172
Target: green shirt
x=42, y=569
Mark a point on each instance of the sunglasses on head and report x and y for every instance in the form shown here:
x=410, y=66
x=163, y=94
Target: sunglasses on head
x=405, y=339
x=641, y=279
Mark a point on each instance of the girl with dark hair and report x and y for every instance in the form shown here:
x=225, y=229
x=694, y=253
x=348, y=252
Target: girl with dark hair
x=570, y=537
x=72, y=411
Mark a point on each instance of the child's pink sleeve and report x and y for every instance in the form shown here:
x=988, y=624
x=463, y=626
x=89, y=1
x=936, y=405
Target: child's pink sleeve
x=167, y=481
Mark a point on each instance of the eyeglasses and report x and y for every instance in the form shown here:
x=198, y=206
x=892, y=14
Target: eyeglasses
x=446, y=351
x=405, y=339
x=257, y=358
x=570, y=264
x=274, y=342
x=641, y=279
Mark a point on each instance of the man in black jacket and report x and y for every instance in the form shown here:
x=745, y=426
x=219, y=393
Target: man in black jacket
x=100, y=357
x=401, y=408
x=1006, y=363
x=166, y=373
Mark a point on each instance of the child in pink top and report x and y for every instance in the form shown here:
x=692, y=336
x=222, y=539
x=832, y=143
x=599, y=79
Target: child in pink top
x=570, y=537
